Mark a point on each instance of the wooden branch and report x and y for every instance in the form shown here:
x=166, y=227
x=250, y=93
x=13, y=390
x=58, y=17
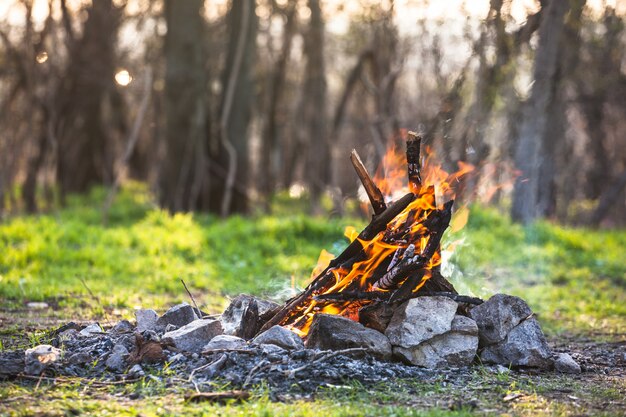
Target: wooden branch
x=326, y=278
x=387, y=297
x=408, y=286
x=413, y=145
x=373, y=192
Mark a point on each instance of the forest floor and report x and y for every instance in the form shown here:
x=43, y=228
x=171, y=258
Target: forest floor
x=574, y=279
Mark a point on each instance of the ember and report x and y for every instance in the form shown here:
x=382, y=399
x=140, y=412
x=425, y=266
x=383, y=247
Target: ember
x=396, y=255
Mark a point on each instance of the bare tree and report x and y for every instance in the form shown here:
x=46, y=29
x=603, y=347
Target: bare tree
x=271, y=151
x=317, y=166
x=534, y=122
x=84, y=155
x=232, y=158
x=183, y=182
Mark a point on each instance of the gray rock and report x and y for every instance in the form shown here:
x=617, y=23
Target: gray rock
x=117, y=359
x=279, y=336
x=195, y=335
x=525, y=345
x=80, y=358
x=456, y=348
x=566, y=364
x=128, y=340
x=68, y=335
x=420, y=319
x=273, y=350
x=245, y=315
x=136, y=371
x=332, y=332
x=178, y=357
x=122, y=326
x=225, y=341
x=39, y=358
x=93, y=328
x=179, y=316
x=146, y=319
x=497, y=316
x=170, y=328
x=11, y=363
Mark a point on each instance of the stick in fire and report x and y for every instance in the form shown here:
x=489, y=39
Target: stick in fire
x=396, y=254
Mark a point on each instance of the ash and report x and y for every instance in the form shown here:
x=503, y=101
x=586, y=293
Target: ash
x=108, y=357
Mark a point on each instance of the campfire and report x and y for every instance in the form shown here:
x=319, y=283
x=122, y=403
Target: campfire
x=381, y=309
x=395, y=258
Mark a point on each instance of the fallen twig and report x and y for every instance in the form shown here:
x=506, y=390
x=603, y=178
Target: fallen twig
x=192, y=299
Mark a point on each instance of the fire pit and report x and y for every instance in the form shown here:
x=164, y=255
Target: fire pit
x=378, y=311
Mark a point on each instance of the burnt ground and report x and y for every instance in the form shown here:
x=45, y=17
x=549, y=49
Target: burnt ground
x=279, y=377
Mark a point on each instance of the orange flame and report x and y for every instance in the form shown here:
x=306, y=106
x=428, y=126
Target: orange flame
x=407, y=227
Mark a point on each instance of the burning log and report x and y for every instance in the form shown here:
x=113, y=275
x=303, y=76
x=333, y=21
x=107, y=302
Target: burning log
x=389, y=262
x=386, y=297
x=324, y=279
x=410, y=263
x=414, y=167
x=373, y=192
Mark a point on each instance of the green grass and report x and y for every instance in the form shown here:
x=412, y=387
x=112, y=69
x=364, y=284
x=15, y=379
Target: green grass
x=535, y=395
x=139, y=257
x=575, y=279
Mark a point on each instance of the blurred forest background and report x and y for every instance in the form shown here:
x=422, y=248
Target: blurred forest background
x=222, y=106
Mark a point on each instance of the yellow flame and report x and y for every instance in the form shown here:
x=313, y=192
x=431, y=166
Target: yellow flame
x=351, y=233
x=459, y=219
x=322, y=262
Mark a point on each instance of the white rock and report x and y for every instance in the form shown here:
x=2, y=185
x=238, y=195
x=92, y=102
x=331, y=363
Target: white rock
x=420, y=319
x=456, y=348
x=89, y=330
x=39, y=358
x=146, y=319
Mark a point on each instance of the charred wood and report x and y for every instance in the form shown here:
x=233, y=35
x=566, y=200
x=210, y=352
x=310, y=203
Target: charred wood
x=325, y=279
x=413, y=162
x=386, y=297
x=439, y=221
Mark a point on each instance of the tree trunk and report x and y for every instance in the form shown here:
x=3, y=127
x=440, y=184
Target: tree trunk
x=183, y=181
x=84, y=149
x=553, y=142
x=232, y=158
x=271, y=149
x=534, y=122
x=315, y=129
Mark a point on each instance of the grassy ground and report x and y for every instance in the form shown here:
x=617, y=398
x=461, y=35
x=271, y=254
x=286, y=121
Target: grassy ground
x=575, y=280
